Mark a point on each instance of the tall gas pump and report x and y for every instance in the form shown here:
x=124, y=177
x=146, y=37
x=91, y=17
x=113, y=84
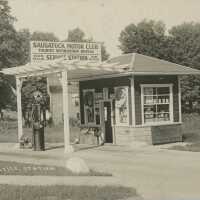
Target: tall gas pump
x=38, y=121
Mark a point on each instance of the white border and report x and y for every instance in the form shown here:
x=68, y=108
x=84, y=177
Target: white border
x=170, y=103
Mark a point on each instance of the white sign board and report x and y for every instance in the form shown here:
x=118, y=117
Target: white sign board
x=83, y=51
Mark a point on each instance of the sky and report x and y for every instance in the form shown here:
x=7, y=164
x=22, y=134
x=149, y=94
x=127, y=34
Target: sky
x=101, y=19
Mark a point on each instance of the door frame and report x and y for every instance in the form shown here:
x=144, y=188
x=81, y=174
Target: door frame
x=102, y=118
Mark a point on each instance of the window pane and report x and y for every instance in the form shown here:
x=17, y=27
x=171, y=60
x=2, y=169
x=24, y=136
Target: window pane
x=148, y=99
x=162, y=117
x=148, y=91
x=150, y=109
x=163, y=108
x=163, y=99
x=149, y=113
x=163, y=90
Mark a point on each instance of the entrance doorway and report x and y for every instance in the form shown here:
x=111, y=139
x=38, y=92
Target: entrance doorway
x=107, y=109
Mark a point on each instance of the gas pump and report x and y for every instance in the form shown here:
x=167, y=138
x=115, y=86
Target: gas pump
x=38, y=121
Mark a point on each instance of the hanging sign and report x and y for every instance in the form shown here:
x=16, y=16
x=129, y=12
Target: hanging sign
x=82, y=51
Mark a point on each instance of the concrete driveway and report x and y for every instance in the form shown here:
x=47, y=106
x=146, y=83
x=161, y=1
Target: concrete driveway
x=155, y=172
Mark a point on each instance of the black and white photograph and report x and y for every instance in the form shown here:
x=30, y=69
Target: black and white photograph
x=99, y=100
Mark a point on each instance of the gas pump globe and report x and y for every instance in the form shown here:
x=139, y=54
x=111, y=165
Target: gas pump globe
x=38, y=121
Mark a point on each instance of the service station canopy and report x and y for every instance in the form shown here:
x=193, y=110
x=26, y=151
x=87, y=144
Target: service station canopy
x=127, y=64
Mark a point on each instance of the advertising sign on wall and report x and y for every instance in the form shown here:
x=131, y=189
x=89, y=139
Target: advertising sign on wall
x=83, y=51
x=121, y=105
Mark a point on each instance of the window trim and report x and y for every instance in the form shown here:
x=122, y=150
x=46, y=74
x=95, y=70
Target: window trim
x=171, y=110
x=128, y=118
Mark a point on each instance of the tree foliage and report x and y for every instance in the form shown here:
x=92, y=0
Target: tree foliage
x=185, y=49
x=77, y=35
x=15, y=51
x=10, y=41
x=147, y=37
x=10, y=54
x=44, y=36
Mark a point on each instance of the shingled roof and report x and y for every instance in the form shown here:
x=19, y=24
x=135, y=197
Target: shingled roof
x=141, y=64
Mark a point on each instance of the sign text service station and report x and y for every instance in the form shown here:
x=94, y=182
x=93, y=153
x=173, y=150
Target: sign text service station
x=83, y=51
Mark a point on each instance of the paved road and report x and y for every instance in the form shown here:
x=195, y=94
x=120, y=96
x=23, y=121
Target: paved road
x=155, y=172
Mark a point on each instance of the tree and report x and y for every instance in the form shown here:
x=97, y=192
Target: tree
x=104, y=54
x=147, y=37
x=184, y=41
x=10, y=54
x=44, y=36
x=185, y=44
x=24, y=36
x=77, y=35
x=10, y=42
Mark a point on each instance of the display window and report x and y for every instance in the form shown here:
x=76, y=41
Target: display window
x=157, y=103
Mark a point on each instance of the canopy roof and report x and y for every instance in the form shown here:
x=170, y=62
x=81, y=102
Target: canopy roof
x=132, y=63
x=76, y=69
x=141, y=64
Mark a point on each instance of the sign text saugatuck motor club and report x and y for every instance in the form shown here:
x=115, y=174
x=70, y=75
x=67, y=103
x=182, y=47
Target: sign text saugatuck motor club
x=83, y=51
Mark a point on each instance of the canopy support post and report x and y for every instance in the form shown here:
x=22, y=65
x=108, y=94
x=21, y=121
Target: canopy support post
x=179, y=99
x=19, y=108
x=68, y=146
x=133, y=100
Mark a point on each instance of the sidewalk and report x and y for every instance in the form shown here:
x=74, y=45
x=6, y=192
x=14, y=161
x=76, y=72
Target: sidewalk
x=60, y=180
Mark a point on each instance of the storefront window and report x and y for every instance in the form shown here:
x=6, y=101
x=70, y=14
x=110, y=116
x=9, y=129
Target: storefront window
x=89, y=110
x=121, y=106
x=157, y=103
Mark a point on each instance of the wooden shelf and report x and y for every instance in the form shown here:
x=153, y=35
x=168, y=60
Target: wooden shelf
x=152, y=104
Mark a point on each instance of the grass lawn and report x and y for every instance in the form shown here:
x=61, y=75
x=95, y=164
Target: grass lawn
x=11, y=192
x=195, y=147
x=8, y=132
x=15, y=168
x=191, y=127
x=191, y=133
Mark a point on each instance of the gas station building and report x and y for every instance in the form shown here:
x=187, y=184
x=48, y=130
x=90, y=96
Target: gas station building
x=131, y=97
